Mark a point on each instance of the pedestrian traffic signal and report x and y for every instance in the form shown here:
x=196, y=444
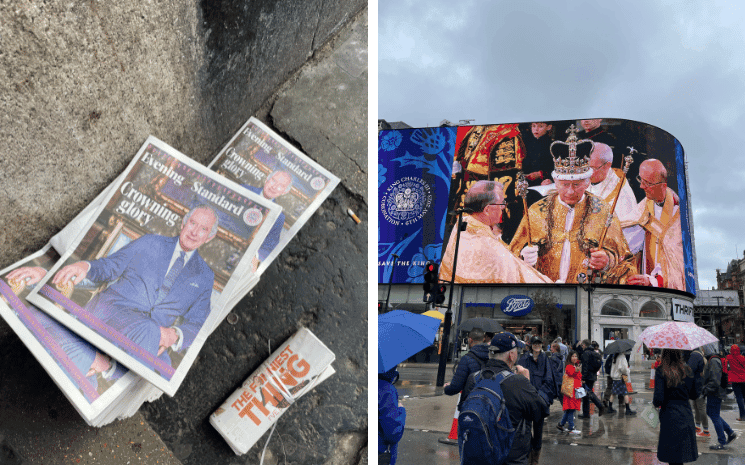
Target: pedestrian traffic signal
x=434, y=292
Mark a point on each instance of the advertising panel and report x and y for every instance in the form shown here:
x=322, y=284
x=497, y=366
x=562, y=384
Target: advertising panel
x=413, y=182
x=555, y=202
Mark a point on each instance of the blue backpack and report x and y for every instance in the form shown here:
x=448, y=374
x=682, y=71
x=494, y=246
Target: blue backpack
x=485, y=432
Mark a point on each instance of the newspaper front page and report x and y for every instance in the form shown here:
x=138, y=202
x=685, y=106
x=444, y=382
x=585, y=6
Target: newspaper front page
x=91, y=380
x=295, y=368
x=149, y=275
x=260, y=160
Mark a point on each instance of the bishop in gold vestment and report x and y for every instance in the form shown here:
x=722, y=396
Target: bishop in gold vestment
x=662, y=263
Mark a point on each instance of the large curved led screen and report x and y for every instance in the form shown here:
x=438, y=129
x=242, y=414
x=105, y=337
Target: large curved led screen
x=543, y=202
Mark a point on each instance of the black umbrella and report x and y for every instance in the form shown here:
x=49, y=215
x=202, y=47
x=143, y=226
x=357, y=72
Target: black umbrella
x=620, y=346
x=487, y=324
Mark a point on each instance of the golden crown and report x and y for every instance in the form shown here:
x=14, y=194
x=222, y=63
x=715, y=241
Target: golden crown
x=572, y=158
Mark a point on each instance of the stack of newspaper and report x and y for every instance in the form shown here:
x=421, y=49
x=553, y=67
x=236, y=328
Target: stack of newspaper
x=118, y=305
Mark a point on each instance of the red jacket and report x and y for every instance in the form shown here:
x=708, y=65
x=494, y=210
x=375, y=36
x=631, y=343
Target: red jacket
x=736, y=364
x=570, y=402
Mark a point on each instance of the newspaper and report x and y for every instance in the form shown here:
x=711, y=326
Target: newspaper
x=296, y=367
x=64, y=239
x=150, y=274
x=260, y=160
x=94, y=383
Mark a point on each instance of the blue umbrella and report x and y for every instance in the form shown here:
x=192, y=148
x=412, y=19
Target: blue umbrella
x=402, y=334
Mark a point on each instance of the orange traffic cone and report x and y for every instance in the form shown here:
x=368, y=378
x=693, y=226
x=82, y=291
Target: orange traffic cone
x=651, y=380
x=452, y=438
x=629, y=388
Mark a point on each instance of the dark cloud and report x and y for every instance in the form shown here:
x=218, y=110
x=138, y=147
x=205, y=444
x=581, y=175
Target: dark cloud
x=681, y=69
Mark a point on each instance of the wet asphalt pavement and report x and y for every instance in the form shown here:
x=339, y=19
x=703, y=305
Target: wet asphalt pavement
x=616, y=438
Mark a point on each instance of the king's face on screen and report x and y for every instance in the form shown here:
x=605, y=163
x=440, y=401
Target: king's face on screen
x=570, y=192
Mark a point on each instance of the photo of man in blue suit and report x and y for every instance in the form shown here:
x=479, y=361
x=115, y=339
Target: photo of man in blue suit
x=159, y=288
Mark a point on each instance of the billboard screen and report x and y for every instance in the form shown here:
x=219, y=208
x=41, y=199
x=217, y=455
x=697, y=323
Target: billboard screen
x=541, y=202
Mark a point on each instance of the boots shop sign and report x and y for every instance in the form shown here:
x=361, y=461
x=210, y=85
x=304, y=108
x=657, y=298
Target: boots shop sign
x=517, y=305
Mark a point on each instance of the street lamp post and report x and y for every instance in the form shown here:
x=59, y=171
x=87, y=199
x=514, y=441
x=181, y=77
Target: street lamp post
x=589, y=284
x=449, y=313
x=390, y=283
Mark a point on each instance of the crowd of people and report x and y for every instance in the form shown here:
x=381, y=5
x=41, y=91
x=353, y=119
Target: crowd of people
x=686, y=381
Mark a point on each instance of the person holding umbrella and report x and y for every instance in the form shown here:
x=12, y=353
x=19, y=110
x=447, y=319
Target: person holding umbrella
x=674, y=387
x=401, y=334
x=391, y=417
x=620, y=368
x=616, y=347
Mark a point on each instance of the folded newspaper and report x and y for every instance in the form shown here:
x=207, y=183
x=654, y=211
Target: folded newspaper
x=149, y=276
x=260, y=160
x=96, y=385
x=296, y=367
x=255, y=158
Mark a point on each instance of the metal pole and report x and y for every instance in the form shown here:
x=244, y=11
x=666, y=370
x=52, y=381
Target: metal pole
x=390, y=283
x=444, y=352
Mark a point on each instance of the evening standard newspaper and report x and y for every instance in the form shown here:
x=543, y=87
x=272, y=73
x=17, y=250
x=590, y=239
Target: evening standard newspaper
x=96, y=385
x=148, y=277
x=296, y=367
x=65, y=238
x=263, y=162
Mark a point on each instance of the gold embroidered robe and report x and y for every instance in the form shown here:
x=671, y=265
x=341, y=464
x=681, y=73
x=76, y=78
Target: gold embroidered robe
x=484, y=258
x=547, y=219
x=663, y=241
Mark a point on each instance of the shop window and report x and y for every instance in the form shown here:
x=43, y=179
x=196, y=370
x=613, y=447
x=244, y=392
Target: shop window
x=651, y=310
x=615, y=307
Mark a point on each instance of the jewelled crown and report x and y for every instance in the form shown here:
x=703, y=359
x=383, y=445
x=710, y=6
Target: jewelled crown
x=572, y=158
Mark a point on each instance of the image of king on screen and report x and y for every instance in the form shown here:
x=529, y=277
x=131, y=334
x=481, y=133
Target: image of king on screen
x=159, y=288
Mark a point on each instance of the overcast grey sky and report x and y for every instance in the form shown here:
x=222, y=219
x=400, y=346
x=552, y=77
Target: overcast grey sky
x=676, y=65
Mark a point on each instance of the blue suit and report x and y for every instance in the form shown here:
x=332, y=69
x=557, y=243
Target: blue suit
x=272, y=239
x=80, y=352
x=129, y=305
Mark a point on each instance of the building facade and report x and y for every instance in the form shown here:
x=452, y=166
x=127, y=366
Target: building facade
x=570, y=311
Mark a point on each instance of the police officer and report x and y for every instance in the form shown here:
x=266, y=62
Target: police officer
x=527, y=409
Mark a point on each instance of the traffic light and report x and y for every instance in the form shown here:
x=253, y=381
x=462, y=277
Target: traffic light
x=434, y=292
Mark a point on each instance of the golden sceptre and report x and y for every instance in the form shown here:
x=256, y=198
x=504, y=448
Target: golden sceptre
x=627, y=161
x=522, y=190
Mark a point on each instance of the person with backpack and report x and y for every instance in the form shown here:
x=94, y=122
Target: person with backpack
x=715, y=389
x=521, y=439
x=736, y=375
x=472, y=362
x=608, y=394
x=571, y=404
x=391, y=417
x=674, y=388
x=591, y=363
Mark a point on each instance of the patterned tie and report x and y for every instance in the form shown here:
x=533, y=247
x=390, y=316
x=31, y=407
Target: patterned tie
x=170, y=278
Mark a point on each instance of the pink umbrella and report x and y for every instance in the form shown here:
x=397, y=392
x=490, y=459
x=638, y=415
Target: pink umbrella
x=676, y=335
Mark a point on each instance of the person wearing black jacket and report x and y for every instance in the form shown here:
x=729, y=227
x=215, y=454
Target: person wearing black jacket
x=591, y=363
x=714, y=393
x=472, y=362
x=526, y=408
x=674, y=387
x=697, y=363
x=541, y=370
